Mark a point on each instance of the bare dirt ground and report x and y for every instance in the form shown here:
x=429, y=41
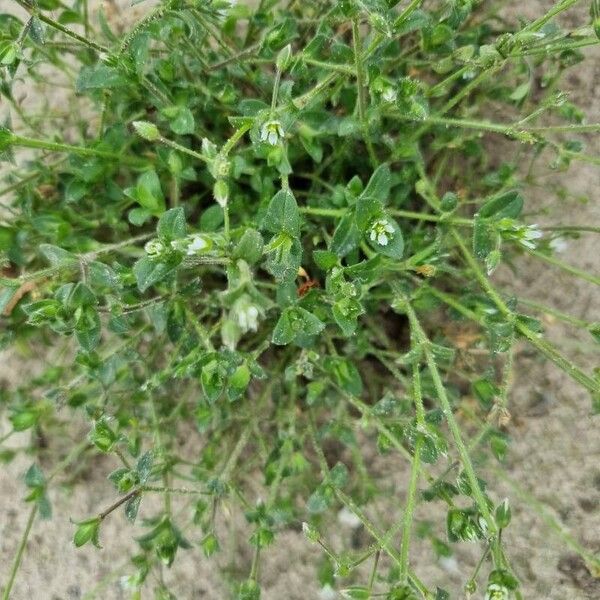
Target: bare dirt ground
x=554, y=454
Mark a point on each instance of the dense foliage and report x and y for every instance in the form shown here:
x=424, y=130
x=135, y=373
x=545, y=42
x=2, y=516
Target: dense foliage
x=271, y=230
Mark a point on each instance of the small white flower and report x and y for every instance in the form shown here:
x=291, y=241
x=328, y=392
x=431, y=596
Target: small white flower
x=348, y=518
x=382, y=231
x=389, y=94
x=154, y=248
x=272, y=132
x=529, y=235
x=245, y=314
x=559, y=244
x=449, y=564
x=495, y=591
x=195, y=245
x=327, y=593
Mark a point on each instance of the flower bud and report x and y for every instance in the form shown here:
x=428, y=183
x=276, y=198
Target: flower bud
x=145, y=129
x=284, y=58
x=221, y=192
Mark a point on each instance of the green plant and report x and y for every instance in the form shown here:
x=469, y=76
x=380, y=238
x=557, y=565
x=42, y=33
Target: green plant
x=254, y=236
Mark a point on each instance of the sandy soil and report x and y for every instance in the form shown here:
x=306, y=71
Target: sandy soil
x=554, y=454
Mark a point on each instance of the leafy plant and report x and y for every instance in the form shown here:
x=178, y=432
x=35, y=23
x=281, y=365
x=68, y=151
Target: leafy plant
x=254, y=235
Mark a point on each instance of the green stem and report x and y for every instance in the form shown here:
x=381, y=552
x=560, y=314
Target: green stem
x=553, y=12
x=381, y=540
x=234, y=139
x=75, y=452
x=479, y=498
x=565, y=267
x=302, y=101
x=555, y=313
x=374, y=571
x=344, y=69
x=547, y=349
x=406, y=214
x=19, y=555
x=56, y=25
x=414, y=476
x=26, y=142
x=183, y=149
x=275, y=89
x=360, y=92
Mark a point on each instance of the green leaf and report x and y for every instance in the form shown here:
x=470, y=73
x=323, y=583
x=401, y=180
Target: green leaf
x=100, y=77
x=485, y=238
x=486, y=392
x=346, y=312
x=36, y=30
x=148, y=193
x=57, y=257
x=507, y=205
x=344, y=373
x=7, y=293
x=183, y=123
x=594, y=330
x=345, y=237
x=132, y=507
x=319, y=501
x=282, y=214
x=295, y=322
x=34, y=477
x=325, y=259
x=250, y=247
x=379, y=185
x=284, y=256
x=171, y=225
x=102, y=276
x=368, y=210
x=144, y=466
x=148, y=272
x=88, y=328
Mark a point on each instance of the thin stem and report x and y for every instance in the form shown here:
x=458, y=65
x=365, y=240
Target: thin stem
x=479, y=498
x=75, y=452
x=26, y=142
x=275, y=89
x=234, y=139
x=183, y=149
x=565, y=267
x=407, y=214
x=119, y=503
x=56, y=25
x=20, y=551
x=414, y=476
x=374, y=570
x=547, y=349
x=360, y=92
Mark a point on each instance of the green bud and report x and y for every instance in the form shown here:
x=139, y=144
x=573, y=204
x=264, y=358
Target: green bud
x=87, y=531
x=6, y=138
x=221, y=192
x=284, y=58
x=503, y=514
x=149, y=131
x=209, y=544
x=311, y=534
x=449, y=202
